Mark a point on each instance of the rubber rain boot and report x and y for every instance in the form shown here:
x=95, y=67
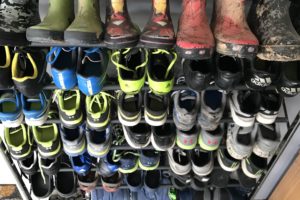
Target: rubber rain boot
x=120, y=31
x=159, y=31
x=87, y=26
x=60, y=16
x=271, y=22
x=15, y=17
x=194, y=38
x=295, y=14
x=232, y=33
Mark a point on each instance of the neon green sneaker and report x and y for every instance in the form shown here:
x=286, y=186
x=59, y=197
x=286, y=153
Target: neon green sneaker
x=131, y=67
x=160, y=71
x=129, y=161
x=172, y=193
x=19, y=142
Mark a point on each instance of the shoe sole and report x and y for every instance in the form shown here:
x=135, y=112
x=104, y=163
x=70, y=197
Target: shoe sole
x=279, y=52
x=128, y=171
x=265, y=119
x=206, y=173
x=152, y=43
x=148, y=168
x=259, y=152
x=39, y=121
x=121, y=43
x=195, y=54
x=44, y=36
x=98, y=126
x=236, y=50
x=77, y=152
x=180, y=173
x=158, y=122
x=14, y=124
x=53, y=154
x=157, y=148
x=129, y=123
x=13, y=39
x=71, y=125
x=246, y=172
x=243, y=122
x=82, y=38
x=223, y=166
x=98, y=154
x=132, y=144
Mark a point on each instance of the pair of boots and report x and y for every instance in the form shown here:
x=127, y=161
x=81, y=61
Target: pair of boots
x=231, y=35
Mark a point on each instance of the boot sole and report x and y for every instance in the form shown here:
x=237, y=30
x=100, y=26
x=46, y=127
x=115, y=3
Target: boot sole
x=194, y=54
x=236, y=50
x=44, y=36
x=121, y=43
x=13, y=39
x=279, y=52
x=82, y=38
x=156, y=43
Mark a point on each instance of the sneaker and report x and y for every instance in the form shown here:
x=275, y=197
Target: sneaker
x=210, y=140
x=50, y=166
x=63, y=63
x=152, y=182
x=66, y=182
x=186, y=106
x=81, y=164
x=98, y=142
x=229, y=71
x=29, y=166
x=163, y=137
x=98, y=110
x=198, y=74
x=112, y=183
x=29, y=71
x=212, y=108
x=42, y=185
x=74, y=142
x=179, y=161
x=91, y=72
x=19, y=142
x=227, y=162
x=5, y=68
x=222, y=194
x=269, y=108
x=219, y=178
x=138, y=136
x=89, y=182
x=106, y=166
x=254, y=166
x=10, y=109
x=187, y=139
x=130, y=108
x=131, y=67
x=149, y=159
x=160, y=71
x=289, y=81
x=202, y=162
x=244, y=106
x=155, y=108
x=267, y=141
x=69, y=106
x=129, y=161
x=240, y=141
x=134, y=181
x=180, y=182
x=35, y=109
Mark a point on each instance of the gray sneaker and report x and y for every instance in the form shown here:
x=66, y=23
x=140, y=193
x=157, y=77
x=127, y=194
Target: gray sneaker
x=267, y=141
x=240, y=141
x=202, y=162
x=186, y=106
x=212, y=107
x=187, y=139
x=179, y=161
x=210, y=140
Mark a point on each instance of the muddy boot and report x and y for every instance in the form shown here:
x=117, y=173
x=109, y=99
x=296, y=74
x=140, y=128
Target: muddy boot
x=194, y=38
x=295, y=14
x=270, y=21
x=120, y=31
x=159, y=31
x=60, y=16
x=87, y=26
x=232, y=33
x=15, y=17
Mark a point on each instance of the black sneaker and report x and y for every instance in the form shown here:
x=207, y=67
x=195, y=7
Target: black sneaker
x=156, y=108
x=130, y=108
x=254, y=166
x=66, y=182
x=289, y=83
x=227, y=162
x=219, y=178
x=163, y=137
x=49, y=166
x=41, y=185
x=137, y=136
x=134, y=181
x=29, y=71
x=229, y=71
x=5, y=67
x=198, y=73
x=30, y=165
x=152, y=181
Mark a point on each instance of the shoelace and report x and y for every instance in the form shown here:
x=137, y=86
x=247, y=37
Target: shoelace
x=171, y=65
x=56, y=52
x=65, y=98
x=102, y=105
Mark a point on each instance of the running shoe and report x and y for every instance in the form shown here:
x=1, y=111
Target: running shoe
x=131, y=67
x=98, y=142
x=66, y=182
x=112, y=183
x=210, y=140
x=63, y=63
x=98, y=111
x=10, y=109
x=19, y=142
x=289, y=80
x=129, y=108
x=179, y=161
x=36, y=109
x=254, y=166
x=129, y=161
x=134, y=181
x=244, y=106
x=152, y=183
x=29, y=166
x=149, y=159
x=186, y=107
x=226, y=161
x=91, y=72
x=160, y=71
x=81, y=164
x=106, y=166
x=88, y=182
x=163, y=137
x=187, y=139
x=49, y=166
x=74, y=142
x=138, y=136
x=69, y=106
x=5, y=67
x=202, y=162
x=156, y=108
x=212, y=108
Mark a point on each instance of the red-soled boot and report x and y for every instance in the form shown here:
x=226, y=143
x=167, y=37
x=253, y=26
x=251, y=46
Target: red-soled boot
x=232, y=33
x=159, y=31
x=194, y=38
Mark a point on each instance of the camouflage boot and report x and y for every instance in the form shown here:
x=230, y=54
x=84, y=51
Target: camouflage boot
x=120, y=31
x=60, y=16
x=87, y=26
x=295, y=15
x=159, y=31
x=15, y=17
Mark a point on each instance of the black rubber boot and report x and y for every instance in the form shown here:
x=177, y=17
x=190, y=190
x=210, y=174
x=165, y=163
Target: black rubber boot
x=271, y=22
x=295, y=14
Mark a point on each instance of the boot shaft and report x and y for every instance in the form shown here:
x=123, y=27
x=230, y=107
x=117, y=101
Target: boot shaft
x=231, y=11
x=295, y=15
x=88, y=6
x=194, y=11
x=116, y=6
x=161, y=7
x=59, y=6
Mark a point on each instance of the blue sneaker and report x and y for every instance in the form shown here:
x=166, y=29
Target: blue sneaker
x=35, y=109
x=91, y=72
x=11, y=114
x=81, y=164
x=128, y=161
x=63, y=63
x=149, y=159
x=107, y=167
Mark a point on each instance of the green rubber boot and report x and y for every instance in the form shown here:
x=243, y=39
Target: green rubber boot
x=51, y=29
x=87, y=26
